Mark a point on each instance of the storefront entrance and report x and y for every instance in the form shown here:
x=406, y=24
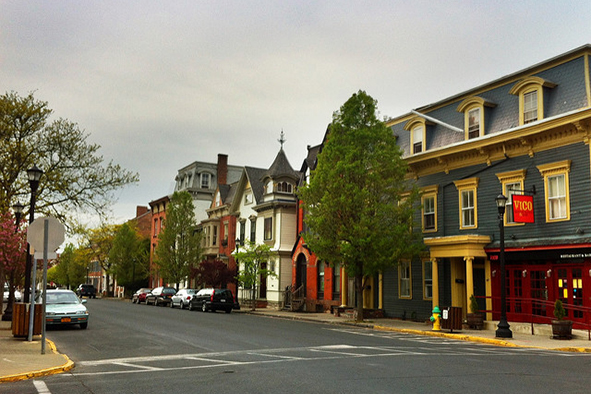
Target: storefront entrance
x=533, y=288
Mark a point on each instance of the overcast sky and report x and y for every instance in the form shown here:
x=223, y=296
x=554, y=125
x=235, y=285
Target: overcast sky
x=161, y=84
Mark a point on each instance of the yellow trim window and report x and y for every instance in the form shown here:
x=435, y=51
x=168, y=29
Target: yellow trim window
x=404, y=280
x=556, y=190
x=418, y=133
x=417, y=127
x=468, y=208
x=427, y=280
x=531, y=98
x=512, y=184
x=473, y=109
x=429, y=209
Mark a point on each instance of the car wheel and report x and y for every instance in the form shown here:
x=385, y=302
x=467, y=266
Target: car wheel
x=203, y=307
x=171, y=304
x=190, y=305
x=156, y=302
x=84, y=326
x=182, y=305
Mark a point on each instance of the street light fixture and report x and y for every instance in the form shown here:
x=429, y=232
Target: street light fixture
x=7, y=316
x=34, y=174
x=503, y=330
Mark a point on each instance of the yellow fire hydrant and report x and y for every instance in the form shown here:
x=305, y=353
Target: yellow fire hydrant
x=436, y=319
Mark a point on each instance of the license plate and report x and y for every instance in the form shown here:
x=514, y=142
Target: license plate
x=222, y=300
x=66, y=320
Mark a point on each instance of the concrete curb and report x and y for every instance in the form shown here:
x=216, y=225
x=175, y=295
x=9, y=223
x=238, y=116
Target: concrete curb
x=461, y=337
x=68, y=365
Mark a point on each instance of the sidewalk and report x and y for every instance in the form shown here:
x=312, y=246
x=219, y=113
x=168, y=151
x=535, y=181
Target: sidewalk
x=20, y=359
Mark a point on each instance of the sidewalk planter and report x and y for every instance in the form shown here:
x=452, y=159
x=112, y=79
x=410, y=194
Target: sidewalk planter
x=475, y=320
x=20, y=319
x=561, y=329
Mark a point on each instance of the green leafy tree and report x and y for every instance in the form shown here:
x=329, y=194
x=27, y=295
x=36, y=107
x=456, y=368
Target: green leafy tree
x=129, y=256
x=359, y=204
x=251, y=270
x=70, y=270
x=75, y=176
x=96, y=246
x=179, y=243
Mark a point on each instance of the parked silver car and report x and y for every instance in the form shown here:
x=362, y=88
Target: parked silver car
x=182, y=298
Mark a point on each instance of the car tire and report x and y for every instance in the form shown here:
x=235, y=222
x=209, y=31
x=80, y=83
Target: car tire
x=191, y=305
x=182, y=305
x=156, y=302
x=172, y=304
x=203, y=307
x=84, y=326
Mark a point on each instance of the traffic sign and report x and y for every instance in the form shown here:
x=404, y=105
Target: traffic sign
x=55, y=237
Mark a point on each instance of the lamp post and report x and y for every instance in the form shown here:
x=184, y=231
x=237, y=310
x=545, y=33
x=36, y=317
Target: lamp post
x=7, y=316
x=503, y=330
x=34, y=175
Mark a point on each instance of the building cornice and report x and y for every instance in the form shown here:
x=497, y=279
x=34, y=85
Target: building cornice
x=565, y=129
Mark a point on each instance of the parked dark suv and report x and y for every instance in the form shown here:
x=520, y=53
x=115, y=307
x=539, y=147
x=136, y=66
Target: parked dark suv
x=212, y=300
x=160, y=296
x=86, y=291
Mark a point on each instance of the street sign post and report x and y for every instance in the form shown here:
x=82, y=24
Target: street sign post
x=44, y=234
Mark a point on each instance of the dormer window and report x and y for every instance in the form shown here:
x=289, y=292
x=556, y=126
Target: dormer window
x=474, y=123
x=205, y=180
x=531, y=98
x=474, y=111
x=530, y=107
x=418, y=136
x=269, y=187
x=417, y=127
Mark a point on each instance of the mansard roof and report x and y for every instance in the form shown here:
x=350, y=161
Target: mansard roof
x=562, y=77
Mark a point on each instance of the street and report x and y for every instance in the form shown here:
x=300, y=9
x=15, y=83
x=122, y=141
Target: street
x=130, y=348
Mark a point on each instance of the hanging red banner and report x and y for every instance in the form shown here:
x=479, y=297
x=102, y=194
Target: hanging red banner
x=523, y=209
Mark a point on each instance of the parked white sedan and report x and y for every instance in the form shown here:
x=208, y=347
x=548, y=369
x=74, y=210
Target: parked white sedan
x=182, y=298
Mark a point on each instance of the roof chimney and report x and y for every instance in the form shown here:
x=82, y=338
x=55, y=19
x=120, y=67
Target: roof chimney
x=140, y=210
x=222, y=169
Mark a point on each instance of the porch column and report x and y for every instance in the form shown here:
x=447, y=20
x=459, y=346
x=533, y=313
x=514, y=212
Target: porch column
x=435, y=282
x=344, y=286
x=469, y=278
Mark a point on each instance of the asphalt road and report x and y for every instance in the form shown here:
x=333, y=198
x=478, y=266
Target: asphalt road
x=131, y=348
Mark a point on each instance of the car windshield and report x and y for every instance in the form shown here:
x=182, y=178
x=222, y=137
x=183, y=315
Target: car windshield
x=168, y=291
x=62, y=298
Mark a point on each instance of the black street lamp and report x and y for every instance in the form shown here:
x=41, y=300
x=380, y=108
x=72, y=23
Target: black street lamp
x=34, y=175
x=7, y=316
x=503, y=330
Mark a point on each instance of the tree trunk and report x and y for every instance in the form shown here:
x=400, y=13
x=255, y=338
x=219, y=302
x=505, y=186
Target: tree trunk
x=359, y=292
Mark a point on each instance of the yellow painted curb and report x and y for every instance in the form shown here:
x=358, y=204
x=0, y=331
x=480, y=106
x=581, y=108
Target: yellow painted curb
x=490, y=341
x=461, y=337
x=69, y=364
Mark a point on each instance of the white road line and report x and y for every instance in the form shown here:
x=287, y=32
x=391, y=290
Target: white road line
x=139, y=366
x=276, y=356
x=41, y=387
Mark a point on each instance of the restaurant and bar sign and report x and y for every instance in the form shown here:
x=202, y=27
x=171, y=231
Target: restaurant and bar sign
x=523, y=208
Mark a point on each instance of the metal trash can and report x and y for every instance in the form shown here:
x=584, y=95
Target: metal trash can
x=451, y=318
